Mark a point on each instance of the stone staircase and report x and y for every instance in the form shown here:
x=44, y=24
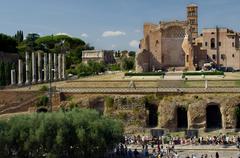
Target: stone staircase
x=173, y=75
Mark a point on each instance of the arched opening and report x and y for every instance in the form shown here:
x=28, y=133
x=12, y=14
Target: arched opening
x=97, y=104
x=212, y=42
x=237, y=111
x=214, y=116
x=42, y=109
x=152, y=119
x=182, y=120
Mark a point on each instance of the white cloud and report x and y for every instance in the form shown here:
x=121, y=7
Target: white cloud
x=62, y=33
x=113, y=33
x=134, y=43
x=84, y=35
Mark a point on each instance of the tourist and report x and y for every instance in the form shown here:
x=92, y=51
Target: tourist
x=217, y=155
x=136, y=153
x=130, y=153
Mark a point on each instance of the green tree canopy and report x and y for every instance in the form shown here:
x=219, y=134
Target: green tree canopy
x=76, y=133
x=51, y=40
x=7, y=44
x=127, y=63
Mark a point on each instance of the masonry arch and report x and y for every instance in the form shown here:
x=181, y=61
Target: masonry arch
x=213, y=116
x=182, y=119
x=152, y=119
x=237, y=113
x=42, y=109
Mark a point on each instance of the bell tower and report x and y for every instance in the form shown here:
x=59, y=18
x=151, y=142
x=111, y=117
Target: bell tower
x=192, y=18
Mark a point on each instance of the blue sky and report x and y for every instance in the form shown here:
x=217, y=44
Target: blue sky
x=109, y=24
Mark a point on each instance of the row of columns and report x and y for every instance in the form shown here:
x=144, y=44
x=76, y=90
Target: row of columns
x=51, y=69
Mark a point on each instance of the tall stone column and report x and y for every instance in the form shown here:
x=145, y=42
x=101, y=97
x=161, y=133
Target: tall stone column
x=34, y=74
x=27, y=68
x=13, y=77
x=39, y=67
x=59, y=67
x=63, y=66
x=20, y=72
x=55, y=66
x=50, y=67
x=45, y=66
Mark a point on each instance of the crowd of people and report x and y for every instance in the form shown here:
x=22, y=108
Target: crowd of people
x=161, y=147
x=209, y=140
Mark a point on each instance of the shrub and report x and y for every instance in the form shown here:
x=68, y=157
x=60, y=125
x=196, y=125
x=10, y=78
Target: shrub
x=145, y=74
x=43, y=88
x=77, y=133
x=42, y=101
x=123, y=116
x=237, y=111
x=109, y=102
x=203, y=73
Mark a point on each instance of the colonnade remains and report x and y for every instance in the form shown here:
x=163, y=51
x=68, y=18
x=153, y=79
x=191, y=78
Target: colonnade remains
x=39, y=67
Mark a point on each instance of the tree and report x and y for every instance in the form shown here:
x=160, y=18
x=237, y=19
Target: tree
x=83, y=70
x=76, y=133
x=127, y=63
x=30, y=41
x=132, y=54
x=8, y=44
x=19, y=36
x=2, y=74
x=8, y=67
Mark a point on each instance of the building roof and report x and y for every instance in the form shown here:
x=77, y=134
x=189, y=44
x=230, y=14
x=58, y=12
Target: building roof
x=192, y=5
x=94, y=51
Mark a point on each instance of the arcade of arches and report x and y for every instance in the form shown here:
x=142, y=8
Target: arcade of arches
x=171, y=111
x=221, y=113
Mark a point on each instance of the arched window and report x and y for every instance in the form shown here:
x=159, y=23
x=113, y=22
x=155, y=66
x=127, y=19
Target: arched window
x=213, y=43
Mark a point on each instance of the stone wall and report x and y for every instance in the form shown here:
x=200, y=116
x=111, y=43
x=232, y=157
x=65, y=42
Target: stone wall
x=135, y=110
x=132, y=108
x=196, y=105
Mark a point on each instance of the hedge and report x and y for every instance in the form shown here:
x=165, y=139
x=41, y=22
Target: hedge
x=145, y=74
x=203, y=73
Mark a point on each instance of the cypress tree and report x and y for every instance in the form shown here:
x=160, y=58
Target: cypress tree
x=7, y=73
x=2, y=74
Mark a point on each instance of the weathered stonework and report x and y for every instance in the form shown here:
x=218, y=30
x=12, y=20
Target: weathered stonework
x=136, y=110
x=196, y=110
x=162, y=46
x=167, y=48
x=164, y=41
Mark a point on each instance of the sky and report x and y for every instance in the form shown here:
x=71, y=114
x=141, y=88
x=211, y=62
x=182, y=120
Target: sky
x=109, y=24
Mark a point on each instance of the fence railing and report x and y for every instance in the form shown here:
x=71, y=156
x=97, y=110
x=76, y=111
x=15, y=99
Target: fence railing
x=145, y=90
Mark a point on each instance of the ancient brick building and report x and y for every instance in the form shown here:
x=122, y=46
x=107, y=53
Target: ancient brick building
x=98, y=56
x=219, y=46
x=177, y=44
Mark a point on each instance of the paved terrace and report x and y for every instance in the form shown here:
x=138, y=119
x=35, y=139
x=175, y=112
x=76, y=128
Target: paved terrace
x=146, y=90
x=117, y=83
